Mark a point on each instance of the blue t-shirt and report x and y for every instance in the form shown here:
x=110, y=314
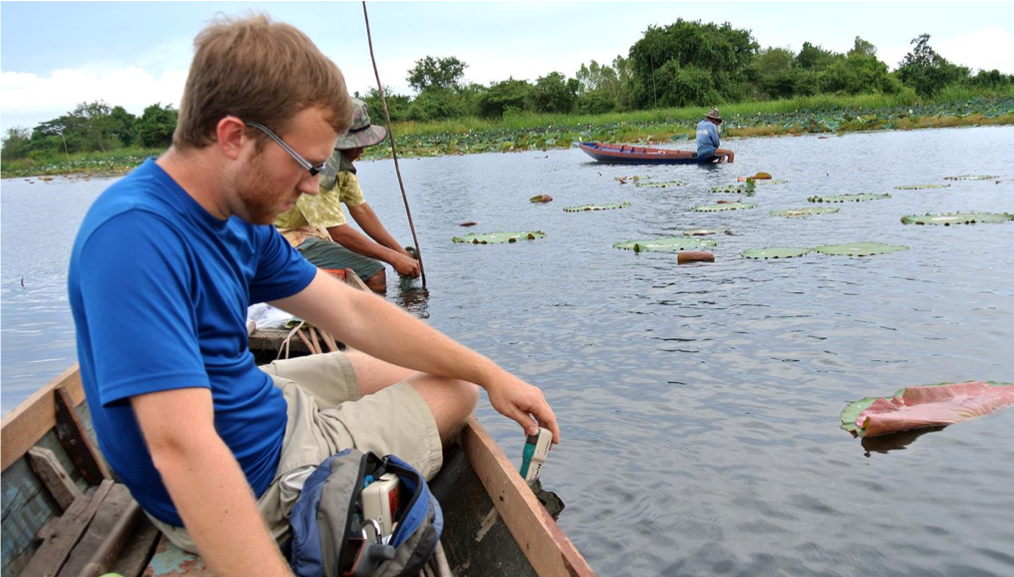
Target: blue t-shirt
x=707, y=138
x=159, y=289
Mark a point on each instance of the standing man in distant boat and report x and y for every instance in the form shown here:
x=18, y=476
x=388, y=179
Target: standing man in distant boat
x=316, y=225
x=707, y=137
x=213, y=448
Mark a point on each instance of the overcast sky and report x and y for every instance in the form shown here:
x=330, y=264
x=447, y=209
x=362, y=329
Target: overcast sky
x=55, y=55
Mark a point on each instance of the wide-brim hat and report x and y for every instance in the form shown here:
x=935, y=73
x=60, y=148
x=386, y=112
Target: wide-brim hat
x=361, y=134
x=713, y=114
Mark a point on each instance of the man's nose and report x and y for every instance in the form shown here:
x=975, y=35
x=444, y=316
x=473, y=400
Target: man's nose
x=310, y=185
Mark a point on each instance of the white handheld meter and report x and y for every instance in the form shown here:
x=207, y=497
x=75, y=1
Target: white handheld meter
x=381, y=500
x=534, y=455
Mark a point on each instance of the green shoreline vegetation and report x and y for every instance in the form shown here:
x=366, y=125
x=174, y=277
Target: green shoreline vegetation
x=657, y=94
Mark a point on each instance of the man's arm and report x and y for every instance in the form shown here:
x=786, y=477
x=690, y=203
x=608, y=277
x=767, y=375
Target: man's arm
x=357, y=242
x=353, y=317
x=206, y=483
x=367, y=220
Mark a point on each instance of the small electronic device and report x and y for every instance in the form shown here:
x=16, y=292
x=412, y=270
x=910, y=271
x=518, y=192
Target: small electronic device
x=381, y=500
x=534, y=455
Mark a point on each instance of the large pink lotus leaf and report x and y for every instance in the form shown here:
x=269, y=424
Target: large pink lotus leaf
x=933, y=405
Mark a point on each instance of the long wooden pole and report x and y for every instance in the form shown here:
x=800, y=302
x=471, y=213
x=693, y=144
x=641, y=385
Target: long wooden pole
x=394, y=149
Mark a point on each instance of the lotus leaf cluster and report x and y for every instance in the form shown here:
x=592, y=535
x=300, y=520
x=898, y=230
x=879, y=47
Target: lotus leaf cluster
x=972, y=177
x=957, y=218
x=723, y=207
x=804, y=212
x=587, y=207
x=920, y=186
x=775, y=252
x=498, y=237
x=665, y=244
x=747, y=188
x=660, y=184
x=860, y=249
x=848, y=197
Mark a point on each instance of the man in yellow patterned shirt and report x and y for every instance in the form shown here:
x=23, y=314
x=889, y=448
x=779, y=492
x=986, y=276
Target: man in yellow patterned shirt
x=316, y=225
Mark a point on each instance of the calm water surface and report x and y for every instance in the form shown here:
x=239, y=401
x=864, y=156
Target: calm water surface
x=699, y=403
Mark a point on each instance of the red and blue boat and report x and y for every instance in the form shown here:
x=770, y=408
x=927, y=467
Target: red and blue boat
x=629, y=154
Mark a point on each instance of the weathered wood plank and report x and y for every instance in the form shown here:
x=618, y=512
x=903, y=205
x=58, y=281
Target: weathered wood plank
x=548, y=549
x=52, y=474
x=136, y=553
x=54, y=551
x=116, y=516
x=27, y=507
x=76, y=441
x=27, y=423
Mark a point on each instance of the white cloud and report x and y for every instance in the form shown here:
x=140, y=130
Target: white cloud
x=30, y=99
x=986, y=49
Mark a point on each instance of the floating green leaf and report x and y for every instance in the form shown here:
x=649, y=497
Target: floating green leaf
x=774, y=181
x=775, y=252
x=585, y=207
x=666, y=184
x=635, y=179
x=957, y=218
x=541, y=198
x=804, y=212
x=724, y=207
x=860, y=248
x=848, y=197
x=920, y=186
x=498, y=237
x=747, y=188
x=665, y=244
x=972, y=177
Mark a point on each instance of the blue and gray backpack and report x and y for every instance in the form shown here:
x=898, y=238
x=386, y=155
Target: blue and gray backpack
x=329, y=537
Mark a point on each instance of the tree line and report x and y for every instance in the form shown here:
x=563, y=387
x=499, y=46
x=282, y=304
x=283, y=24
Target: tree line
x=687, y=63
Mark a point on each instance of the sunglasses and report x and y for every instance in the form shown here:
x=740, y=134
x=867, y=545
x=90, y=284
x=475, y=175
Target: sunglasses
x=313, y=170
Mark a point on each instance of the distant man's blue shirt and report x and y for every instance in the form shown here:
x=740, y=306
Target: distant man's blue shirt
x=707, y=138
x=159, y=289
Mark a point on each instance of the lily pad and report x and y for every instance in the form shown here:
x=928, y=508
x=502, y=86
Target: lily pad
x=665, y=244
x=773, y=181
x=775, y=252
x=972, y=177
x=541, y=198
x=635, y=179
x=924, y=406
x=724, y=207
x=920, y=186
x=498, y=237
x=699, y=232
x=747, y=188
x=585, y=207
x=957, y=218
x=804, y=212
x=848, y=197
x=665, y=184
x=860, y=248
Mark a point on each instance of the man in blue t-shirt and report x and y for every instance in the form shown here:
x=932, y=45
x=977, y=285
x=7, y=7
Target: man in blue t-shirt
x=707, y=138
x=214, y=448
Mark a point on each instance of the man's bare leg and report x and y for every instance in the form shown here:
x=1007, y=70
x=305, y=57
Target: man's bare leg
x=730, y=156
x=450, y=400
x=378, y=282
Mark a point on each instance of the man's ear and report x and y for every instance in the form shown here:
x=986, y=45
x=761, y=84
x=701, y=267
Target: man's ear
x=231, y=133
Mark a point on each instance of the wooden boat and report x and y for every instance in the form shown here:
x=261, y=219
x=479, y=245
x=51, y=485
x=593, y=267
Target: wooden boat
x=628, y=154
x=64, y=515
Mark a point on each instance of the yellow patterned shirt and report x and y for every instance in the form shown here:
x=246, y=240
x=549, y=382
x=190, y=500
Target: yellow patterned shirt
x=311, y=216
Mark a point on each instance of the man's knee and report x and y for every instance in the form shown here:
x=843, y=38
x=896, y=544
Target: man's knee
x=378, y=282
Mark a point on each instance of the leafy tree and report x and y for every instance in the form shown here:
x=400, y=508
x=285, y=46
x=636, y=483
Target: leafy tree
x=990, y=79
x=92, y=126
x=862, y=48
x=505, y=96
x=397, y=105
x=686, y=86
x=856, y=74
x=124, y=125
x=554, y=93
x=436, y=104
x=156, y=126
x=814, y=57
x=16, y=143
x=721, y=51
x=432, y=72
x=604, y=88
x=926, y=71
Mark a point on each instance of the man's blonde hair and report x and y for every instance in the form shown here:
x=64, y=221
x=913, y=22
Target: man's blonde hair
x=259, y=71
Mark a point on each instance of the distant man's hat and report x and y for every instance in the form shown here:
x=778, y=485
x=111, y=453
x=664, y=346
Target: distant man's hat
x=714, y=115
x=361, y=134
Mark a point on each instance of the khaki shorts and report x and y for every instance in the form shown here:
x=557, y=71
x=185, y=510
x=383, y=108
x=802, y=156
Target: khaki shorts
x=326, y=414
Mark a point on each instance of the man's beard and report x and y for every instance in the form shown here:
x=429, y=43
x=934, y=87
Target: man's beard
x=263, y=203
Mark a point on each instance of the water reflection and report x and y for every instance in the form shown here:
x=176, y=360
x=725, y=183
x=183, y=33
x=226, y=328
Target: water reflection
x=895, y=441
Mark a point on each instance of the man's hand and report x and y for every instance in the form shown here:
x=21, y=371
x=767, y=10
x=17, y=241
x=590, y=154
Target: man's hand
x=405, y=265
x=517, y=400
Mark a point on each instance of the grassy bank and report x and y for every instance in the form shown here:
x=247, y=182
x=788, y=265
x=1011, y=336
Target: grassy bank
x=516, y=132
